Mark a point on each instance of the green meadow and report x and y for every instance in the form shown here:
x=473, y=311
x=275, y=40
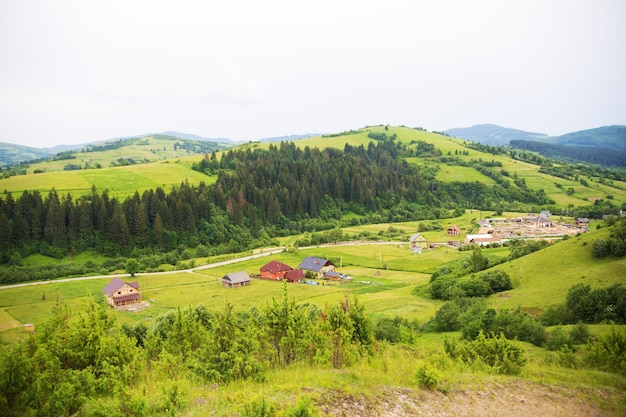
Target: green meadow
x=120, y=181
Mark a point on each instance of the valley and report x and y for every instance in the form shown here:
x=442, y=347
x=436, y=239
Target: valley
x=375, y=344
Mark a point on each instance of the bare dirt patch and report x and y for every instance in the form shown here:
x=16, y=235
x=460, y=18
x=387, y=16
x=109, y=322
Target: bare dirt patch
x=516, y=399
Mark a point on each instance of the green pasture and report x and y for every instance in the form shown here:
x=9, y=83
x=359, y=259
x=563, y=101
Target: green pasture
x=120, y=181
x=149, y=149
x=449, y=173
x=543, y=278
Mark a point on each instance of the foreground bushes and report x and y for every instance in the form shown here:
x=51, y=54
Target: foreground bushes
x=498, y=354
x=82, y=363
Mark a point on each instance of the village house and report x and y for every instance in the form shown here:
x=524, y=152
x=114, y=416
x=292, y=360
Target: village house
x=418, y=241
x=582, y=221
x=295, y=275
x=453, y=230
x=275, y=270
x=119, y=293
x=318, y=266
x=236, y=279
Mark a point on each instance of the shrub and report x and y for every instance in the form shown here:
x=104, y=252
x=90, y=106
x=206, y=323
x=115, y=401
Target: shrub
x=427, y=376
x=556, y=339
x=498, y=353
x=579, y=334
x=608, y=353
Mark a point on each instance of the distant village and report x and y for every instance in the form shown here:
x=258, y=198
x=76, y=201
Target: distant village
x=313, y=270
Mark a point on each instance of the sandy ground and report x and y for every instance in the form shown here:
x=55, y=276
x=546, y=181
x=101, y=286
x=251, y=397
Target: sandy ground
x=516, y=399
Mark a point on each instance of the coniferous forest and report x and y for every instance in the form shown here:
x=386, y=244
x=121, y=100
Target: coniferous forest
x=259, y=194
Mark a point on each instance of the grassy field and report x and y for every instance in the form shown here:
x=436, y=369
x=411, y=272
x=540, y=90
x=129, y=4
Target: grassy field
x=120, y=181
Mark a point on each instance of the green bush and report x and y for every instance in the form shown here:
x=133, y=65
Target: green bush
x=498, y=353
x=427, y=376
x=608, y=353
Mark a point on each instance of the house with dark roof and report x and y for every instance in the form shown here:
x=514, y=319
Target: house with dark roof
x=318, y=266
x=119, y=293
x=236, y=279
x=275, y=270
x=332, y=276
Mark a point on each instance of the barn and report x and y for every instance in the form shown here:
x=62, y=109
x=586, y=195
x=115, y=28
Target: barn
x=236, y=279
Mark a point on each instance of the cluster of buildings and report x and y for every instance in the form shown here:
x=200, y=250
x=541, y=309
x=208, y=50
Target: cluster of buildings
x=312, y=266
x=120, y=294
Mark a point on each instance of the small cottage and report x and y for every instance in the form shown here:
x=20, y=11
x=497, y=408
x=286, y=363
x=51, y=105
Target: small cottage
x=418, y=241
x=453, y=230
x=275, y=270
x=236, y=279
x=319, y=266
x=582, y=221
x=119, y=293
x=295, y=275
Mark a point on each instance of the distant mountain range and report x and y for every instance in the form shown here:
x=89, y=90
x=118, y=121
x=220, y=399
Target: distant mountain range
x=493, y=135
x=11, y=154
x=604, y=145
x=605, y=137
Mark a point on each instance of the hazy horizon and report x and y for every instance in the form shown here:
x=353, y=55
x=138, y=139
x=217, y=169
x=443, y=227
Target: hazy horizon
x=79, y=72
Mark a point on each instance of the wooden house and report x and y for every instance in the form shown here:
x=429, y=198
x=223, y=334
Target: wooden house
x=119, y=293
x=318, y=266
x=582, y=221
x=418, y=241
x=275, y=270
x=236, y=279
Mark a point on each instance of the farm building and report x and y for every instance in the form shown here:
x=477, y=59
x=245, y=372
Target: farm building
x=332, y=276
x=119, y=293
x=453, y=230
x=295, y=275
x=236, y=279
x=319, y=266
x=275, y=270
x=418, y=241
x=582, y=221
x=481, y=239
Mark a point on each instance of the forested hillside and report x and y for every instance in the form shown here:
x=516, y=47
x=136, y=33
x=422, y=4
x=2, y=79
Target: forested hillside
x=259, y=194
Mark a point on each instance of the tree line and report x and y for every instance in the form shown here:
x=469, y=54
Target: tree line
x=259, y=194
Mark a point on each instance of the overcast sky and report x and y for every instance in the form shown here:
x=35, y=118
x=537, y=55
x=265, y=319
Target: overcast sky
x=78, y=71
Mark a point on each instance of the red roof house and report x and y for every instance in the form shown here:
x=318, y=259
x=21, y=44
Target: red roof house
x=453, y=230
x=275, y=270
x=295, y=275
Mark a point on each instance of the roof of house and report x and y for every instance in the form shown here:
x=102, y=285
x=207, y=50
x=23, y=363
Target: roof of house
x=454, y=227
x=311, y=263
x=294, y=275
x=479, y=236
x=417, y=237
x=333, y=274
x=116, y=284
x=275, y=267
x=237, y=277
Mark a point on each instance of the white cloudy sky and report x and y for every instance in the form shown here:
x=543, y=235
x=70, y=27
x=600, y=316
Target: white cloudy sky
x=79, y=71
